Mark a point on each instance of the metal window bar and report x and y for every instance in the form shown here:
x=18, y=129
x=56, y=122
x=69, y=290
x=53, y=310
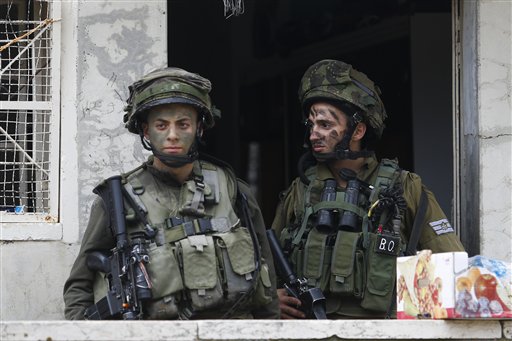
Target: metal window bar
x=28, y=120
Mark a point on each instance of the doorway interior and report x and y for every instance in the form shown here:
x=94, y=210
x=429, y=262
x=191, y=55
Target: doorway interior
x=255, y=61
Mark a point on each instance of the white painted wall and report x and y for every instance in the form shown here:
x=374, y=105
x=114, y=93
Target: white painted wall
x=494, y=82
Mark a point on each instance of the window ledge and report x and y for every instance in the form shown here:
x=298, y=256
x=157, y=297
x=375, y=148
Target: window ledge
x=30, y=231
x=257, y=330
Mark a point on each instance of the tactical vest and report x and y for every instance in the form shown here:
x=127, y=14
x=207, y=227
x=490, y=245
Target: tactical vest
x=202, y=258
x=356, y=266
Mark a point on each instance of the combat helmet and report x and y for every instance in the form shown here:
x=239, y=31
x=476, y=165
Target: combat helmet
x=338, y=81
x=354, y=93
x=169, y=85
x=165, y=86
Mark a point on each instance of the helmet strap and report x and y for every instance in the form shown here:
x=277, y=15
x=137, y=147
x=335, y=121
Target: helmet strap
x=342, y=150
x=176, y=161
x=344, y=154
x=305, y=161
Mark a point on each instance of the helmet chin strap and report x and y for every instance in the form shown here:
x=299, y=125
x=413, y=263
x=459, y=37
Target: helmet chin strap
x=173, y=161
x=342, y=153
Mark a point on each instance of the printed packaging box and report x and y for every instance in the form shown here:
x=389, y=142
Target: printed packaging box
x=426, y=284
x=451, y=286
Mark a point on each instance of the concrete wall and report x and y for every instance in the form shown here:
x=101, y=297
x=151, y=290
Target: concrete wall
x=105, y=47
x=494, y=82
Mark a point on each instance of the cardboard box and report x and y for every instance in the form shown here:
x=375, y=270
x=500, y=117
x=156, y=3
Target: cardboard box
x=484, y=290
x=451, y=286
x=426, y=284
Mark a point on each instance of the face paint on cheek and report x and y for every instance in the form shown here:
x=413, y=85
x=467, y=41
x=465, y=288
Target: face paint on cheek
x=332, y=138
x=333, y=134
x=157, y=138
x=187, y=139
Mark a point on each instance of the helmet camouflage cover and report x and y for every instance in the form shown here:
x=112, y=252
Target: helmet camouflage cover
x=169, y=85
x=336, y=80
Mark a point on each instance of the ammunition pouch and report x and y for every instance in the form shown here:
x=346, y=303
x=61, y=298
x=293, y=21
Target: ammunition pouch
x=348, y=275
x=381, y=273
x=348, y=268
x=204, y=272
x=164, y=271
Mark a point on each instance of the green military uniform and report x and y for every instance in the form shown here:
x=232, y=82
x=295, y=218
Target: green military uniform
x=185, y=269
x=436, y=234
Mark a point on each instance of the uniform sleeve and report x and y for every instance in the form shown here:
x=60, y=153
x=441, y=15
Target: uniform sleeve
x=271, y=310
x=286, y=209
x=279, y=219
x=78, y=289
x=437, y=234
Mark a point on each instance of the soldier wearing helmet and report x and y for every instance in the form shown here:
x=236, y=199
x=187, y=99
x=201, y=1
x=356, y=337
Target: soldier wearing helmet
x=208, y=256
x=347, y=217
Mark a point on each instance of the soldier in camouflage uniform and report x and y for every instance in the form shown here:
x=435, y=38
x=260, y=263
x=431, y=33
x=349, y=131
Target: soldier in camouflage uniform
x=344, y=221
x=209, y=256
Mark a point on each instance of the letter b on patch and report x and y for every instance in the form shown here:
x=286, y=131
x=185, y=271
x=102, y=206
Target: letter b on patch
x=388, y=245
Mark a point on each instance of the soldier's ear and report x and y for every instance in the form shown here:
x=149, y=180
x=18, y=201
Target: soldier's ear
x=145, y=130
x=359, y=132
x=199, y=130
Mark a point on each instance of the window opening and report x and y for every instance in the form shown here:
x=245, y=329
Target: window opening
x=28, y=119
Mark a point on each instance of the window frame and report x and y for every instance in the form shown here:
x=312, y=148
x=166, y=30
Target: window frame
x=43, y=226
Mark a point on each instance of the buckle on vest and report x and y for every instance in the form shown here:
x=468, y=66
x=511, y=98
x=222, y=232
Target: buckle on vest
x=199, y=183
x=188, y=228
x=205, y=225
x=173, y=221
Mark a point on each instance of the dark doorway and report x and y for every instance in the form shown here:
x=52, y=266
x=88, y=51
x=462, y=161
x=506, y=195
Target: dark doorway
x=255, y=62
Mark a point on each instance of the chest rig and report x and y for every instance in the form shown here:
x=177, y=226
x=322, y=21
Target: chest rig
x=346, y=241
x=202, y=257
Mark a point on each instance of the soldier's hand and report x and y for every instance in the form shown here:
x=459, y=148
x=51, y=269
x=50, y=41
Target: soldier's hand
x=289, y=306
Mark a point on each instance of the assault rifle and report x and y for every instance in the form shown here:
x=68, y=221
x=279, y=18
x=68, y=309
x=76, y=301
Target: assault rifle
x=128, y=281
x=312, y=299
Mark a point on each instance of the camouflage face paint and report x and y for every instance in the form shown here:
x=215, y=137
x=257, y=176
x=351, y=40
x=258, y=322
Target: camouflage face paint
x=171, y=128
x=327, y=124
x=334, y=134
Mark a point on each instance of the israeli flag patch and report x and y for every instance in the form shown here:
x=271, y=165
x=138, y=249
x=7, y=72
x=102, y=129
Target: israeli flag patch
x=441, y=226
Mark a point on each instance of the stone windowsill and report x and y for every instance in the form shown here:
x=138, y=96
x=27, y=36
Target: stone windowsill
x=257, y=330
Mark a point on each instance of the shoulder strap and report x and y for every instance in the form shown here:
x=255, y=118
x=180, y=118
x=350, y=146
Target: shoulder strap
x=228, y=171
x=131, y=194
x=388, y=173
x=211, y=179
x=417, y=225
x=127, y=174
x=307, y=210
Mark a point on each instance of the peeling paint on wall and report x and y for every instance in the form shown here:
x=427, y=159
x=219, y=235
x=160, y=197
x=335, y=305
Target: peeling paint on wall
x=119, y=43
